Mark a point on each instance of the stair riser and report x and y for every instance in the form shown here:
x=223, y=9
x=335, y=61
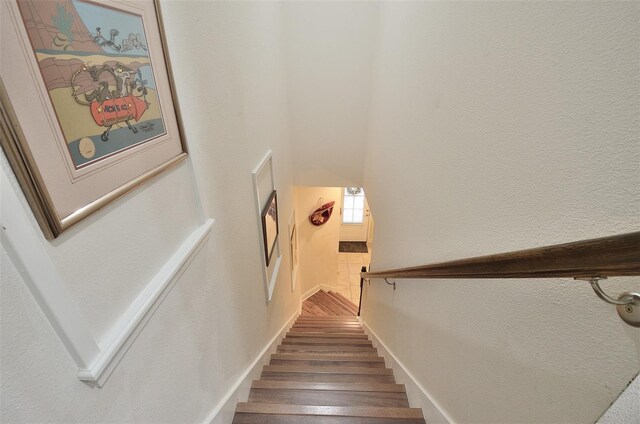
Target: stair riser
x=327, y=330
x=327, y=378
x=328, y=342
x=330, y=398
x=355, y=363
x=327, y=370
x=330, y=323
x=323, y=329
x=327, y=349
x=325, y=357
x=328, y=336
x=324, y=350
x=242, y=418
x=333, y=318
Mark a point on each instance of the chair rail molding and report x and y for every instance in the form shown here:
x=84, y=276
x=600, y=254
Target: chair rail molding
x=27, y=253
x=95, y=362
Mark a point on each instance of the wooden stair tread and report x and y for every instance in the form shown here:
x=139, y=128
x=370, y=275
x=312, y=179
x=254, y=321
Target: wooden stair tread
x=327, y=296
x=326, y=302
x=332, y=318
x=354, y=387
x=296, y=328
x=344, y=302
x=328, y=336
x=328, y=307
x=321, y=357
x=327, y=370
x=329, y=398
x=350, y=362
x=326, y=348
x=341, y=411
x=343, y=297
x=328, y=324
x=338, y=341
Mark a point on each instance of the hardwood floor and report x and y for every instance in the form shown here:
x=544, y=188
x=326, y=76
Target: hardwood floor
x=328, y=304
x=327, y=371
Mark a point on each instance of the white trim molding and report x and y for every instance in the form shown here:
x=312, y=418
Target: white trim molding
x=418, y=396
x=95, y=361
x=138, y=314
x=224, y=410
x=29, y=256
x=269, y=282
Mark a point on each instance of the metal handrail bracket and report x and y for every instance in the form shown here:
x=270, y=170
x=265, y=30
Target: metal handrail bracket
x=627, y=304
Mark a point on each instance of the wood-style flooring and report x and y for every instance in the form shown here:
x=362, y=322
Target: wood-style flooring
x=326, y=370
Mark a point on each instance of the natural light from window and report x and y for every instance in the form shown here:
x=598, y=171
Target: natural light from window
x=353, y=205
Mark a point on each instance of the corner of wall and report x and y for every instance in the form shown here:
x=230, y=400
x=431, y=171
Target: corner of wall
x=418, y=396
x=224, y=410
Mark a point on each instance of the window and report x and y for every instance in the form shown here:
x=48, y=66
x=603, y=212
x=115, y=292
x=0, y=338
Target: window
x=353, y=205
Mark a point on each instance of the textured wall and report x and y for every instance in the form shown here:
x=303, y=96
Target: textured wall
x=626, y=409
x=215, y=320
x=330, y=49
x=498, y=126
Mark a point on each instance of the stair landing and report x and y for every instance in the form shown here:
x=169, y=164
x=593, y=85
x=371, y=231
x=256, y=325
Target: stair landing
x=328, y=304
x=326, y=370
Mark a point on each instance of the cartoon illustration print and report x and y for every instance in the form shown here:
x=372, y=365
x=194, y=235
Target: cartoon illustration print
x=101, y=84
x=112, y=106
x=132, y=43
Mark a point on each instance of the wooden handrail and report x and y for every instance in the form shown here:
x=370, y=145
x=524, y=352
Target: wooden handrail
x=602, y=257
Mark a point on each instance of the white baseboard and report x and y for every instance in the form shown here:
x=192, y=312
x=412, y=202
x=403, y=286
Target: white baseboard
x=314, y=290
x=418, y=396
x=223, y=412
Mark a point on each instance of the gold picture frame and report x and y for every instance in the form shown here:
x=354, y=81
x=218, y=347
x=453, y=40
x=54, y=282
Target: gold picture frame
x=86, y=115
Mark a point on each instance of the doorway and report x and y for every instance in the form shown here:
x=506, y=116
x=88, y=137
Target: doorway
x=321, y=264
x=356, y=236
x=355, y=216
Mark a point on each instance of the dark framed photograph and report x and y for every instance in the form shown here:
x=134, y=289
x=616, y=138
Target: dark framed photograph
x=270, y=226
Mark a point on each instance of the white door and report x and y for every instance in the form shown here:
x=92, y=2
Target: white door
x=354, y=215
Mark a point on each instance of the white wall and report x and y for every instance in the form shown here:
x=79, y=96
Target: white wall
x=503, y=126
x=516, y=122
x=318, y=246
x=229, y=69
x=330, y=48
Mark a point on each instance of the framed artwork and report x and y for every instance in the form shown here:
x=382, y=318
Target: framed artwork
x=270, y=226
x=267, y=222
x=88, y=107
x=293, y=249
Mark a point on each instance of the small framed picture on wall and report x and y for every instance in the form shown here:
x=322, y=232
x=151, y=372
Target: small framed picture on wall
x=270, y=226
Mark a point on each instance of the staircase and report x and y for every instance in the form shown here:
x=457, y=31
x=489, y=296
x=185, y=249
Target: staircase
x=327, y=371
